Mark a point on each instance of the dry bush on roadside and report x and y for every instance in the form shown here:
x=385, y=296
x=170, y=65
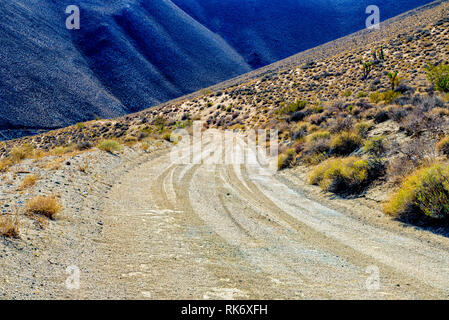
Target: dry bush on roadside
x=9, y=227
x=423, y=193
x=346, y=175
x=47, y=206
x=286, y=160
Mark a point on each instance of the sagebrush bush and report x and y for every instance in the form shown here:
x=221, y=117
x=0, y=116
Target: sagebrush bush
x=286, y=159
x=345, y=176
x=423, y=193
x=109, y=145
x=345, y=143
x=439, y=76
x=374, y=146
x=9, y=227
x=362, y=128
x=387, y=96
x=45, y=206
x=293, y=107
x=319, y=135
x=443, y=146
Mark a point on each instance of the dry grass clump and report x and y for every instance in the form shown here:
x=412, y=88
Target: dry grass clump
x=18, y=154
x=47, y=206
x=29, y=181
x=439, y=76
x=5, y=164
x=9, y=227
x=109, y=145
x=424, y=193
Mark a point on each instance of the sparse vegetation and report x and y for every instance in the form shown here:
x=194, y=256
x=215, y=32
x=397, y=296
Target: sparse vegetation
x=285, y=160
x=20, y=153
x=9, y=227
x=47, y=206
x=439, y=76
x=374, y=146
x=109, y=146
x=28, y=181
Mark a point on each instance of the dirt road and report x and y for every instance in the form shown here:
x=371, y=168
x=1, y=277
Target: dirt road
x=192, y=230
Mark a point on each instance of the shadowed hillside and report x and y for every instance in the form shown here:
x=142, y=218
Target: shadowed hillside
x=132, y=54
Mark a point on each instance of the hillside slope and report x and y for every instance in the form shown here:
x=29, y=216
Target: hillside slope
x=130, y=55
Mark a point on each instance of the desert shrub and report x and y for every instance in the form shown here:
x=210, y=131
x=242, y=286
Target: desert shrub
x=80, y=125
x=362, y=94
x=374, y=146
x=386, y=96
x=413, y=154
x=109, y=145
x=439, y=77
x=439, y=112
x=18, y=154
x=341, y=124
x=45, y=206
x=315, y=151
x=9, y=227
x=319, y=135
x=286, y=159
x=28, y=181
x=362, y=128
x=347, y=93
x=345, y=176
x=5, y=164
x=443, y=146
x=425, y=192
x=293, y=107
x=345, y=143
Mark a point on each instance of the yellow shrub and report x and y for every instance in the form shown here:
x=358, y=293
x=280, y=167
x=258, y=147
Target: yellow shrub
x=443, y=146
x=45, y=206
x=29, y=181
x=109, y=145
x=17, y=154
x=319, y=135
x=5, y=164
x=338, y=175
x=425, y=192
x=286, y=160
x=345, y=143
x=9, y=227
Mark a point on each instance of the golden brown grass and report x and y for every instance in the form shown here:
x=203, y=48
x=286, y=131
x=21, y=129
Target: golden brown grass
x=9, y=227
x=5, y=164
x=28, y=181
x=18, y=154
x=46, y=206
